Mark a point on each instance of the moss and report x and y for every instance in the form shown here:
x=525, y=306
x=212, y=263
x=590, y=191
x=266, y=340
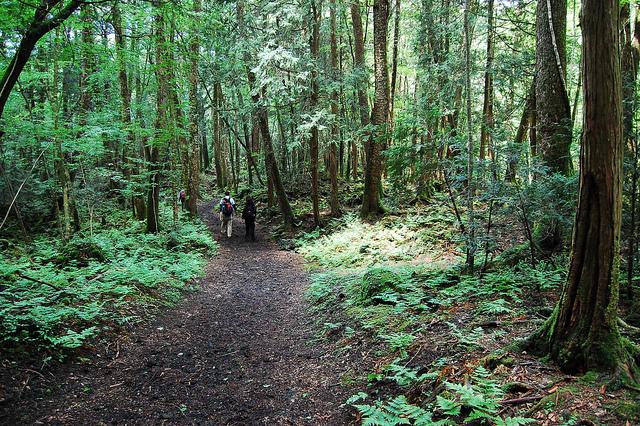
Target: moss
x=515, y=388
x=376, y=281
x=590, y=377
x=626, y=410
x=80, y=252
x=492, y=361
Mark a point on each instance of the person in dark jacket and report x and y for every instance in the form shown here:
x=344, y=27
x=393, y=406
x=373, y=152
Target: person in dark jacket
x=249, y=216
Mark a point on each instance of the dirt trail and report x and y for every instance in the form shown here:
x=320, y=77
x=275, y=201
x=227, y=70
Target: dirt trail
x=237, y=352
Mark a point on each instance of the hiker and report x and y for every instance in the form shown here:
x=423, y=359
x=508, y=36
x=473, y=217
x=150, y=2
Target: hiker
x=227, y=208
x=249, y=216
x=182, y=197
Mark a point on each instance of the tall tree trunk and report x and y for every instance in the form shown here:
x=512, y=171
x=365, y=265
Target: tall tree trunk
x=162, y=118
x=629, y=61
x=371, y=202
x=125, y=96
x=62, y=171
x=553, y=112
x=262, y=116
x=193, y=148
x=334, y=203
x=216, y=135
x=314, y=45
x=359, y=65
x=487, y=108
x=470, y=237
x=394, y=60
x=582, y=333
x=553, y=109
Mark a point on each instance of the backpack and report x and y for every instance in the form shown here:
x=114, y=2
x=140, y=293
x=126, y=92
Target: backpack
x=227, y=208
x=250, y=212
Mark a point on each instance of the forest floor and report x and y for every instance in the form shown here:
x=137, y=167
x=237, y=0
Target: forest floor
x=237, y=352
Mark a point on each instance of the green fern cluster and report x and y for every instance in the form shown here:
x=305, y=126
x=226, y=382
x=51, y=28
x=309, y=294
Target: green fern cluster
x=56, y=297
x=477, y=401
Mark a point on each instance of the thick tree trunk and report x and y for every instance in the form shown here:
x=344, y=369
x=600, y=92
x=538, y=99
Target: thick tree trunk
x=371, y=202
x=582, y=333
x=125, y=110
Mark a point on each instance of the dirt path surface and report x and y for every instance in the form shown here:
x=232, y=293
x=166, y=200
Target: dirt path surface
x=237, y=352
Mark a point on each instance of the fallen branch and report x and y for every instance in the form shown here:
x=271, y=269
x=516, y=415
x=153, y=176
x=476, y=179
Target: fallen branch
x=523, y=400
x=35, y=280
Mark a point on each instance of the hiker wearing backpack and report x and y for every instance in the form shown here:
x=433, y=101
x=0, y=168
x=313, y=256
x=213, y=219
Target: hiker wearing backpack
x=249, y=216
x=227, y=208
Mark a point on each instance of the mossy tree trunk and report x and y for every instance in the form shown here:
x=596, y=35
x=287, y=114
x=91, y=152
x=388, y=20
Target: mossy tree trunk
x=582, y=333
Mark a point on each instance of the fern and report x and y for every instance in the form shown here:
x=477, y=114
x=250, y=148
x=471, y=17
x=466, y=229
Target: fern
x=397, y=411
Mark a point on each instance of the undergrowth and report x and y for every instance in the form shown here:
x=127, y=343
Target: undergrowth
x=54, y=297
x=391, y=283
x=420, y=236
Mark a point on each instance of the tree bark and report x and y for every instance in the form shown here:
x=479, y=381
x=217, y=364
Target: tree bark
x=553, y=109
x=371, y=202
x=359, y=65
x=162, y=119
x=216, y=135
x=629, y=61
x=394, y=60
x=582, y=333
x=193, y=148
x=487, y=107
x=470, y=237
x=314, y=45
x=513, y=154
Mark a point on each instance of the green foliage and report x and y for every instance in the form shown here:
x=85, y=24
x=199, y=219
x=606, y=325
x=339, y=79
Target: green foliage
x=480, y=398
x=405, y=376
x=420, y=234
x=397, y=411
x=57, y=296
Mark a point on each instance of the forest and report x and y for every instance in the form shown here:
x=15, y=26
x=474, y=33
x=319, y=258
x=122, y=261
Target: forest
x=447, y=200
